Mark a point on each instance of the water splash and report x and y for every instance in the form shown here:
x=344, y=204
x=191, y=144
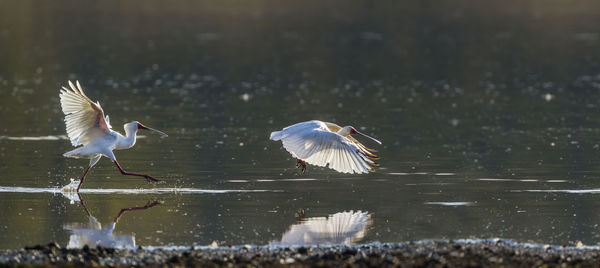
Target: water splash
x=71, y=187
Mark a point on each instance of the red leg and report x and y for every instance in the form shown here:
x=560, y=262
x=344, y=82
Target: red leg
x=147, y=206
x=147, y=177
x=82, y=178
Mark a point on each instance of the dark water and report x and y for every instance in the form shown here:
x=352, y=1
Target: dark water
x=484, y=110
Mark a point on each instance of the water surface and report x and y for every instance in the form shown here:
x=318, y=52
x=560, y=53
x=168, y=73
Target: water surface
x=488, y=114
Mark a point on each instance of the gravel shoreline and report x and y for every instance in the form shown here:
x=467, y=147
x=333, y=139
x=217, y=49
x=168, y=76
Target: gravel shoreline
x=430, y=253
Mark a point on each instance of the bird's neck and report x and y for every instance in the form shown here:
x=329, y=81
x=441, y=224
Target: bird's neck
x=345, y=131
x=128, y=140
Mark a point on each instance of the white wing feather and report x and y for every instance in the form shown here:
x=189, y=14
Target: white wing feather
x=107, y=120
x=313, y=142
x=84, y=118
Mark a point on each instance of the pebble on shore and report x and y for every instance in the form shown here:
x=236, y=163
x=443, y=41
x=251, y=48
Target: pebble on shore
x=420, y=253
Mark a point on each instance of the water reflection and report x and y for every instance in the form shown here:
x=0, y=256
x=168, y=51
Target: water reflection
x=92, y=233
x=342, y=228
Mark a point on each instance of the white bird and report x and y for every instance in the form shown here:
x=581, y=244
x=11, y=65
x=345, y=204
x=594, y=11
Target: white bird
x=87, y=126
x=323, y=143
x=340, y=228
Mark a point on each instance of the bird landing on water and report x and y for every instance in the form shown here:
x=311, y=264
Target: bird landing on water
x=87, y=126
x=327, y=144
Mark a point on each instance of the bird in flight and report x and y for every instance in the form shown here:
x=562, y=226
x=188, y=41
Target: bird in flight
x=327, y=144
x=87, y=126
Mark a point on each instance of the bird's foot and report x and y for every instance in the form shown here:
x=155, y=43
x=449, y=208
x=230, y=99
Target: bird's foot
x=301, y=164
x=150, y=178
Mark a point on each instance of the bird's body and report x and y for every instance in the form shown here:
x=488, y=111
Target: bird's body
x=103, y=143
x=88, y=126
x=327, y=144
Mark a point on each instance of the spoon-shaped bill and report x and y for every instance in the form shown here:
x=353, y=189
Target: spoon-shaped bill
x=162, y=134
x=375, y=140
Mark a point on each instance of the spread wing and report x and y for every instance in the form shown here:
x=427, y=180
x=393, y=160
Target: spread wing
x=84, y=118
x=313, y=142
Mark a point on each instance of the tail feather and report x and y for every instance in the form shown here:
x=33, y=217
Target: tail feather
x=77, y=153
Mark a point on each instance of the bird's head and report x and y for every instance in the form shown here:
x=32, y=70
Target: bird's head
x=349, y=130
x=135, y=125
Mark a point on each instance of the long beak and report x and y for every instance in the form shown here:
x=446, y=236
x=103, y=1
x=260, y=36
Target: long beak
x=162, y=134
x=375, y=140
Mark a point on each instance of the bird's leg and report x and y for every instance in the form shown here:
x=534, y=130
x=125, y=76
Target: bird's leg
x=147, y=177
x=147, y=206
x=82, y=178
x=302, y=164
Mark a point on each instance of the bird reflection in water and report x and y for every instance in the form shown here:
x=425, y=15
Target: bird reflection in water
x=93, y=235
x=342, y=228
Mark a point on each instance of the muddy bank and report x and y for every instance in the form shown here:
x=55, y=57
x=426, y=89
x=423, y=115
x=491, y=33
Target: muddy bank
x=422, y=253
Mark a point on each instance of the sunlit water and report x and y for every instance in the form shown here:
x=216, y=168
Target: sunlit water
x=488, y=115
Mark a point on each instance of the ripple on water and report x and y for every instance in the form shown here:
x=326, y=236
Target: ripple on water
x=300, y=179
x=450, y=204
x=269, y=180
x=44, y=138
x=493, y=179
x=6, y=189
x=521, y=180
x=35, y=138
x=407, y=174
x=581, y=191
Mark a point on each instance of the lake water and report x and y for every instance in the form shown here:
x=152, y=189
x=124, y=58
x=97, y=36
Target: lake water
x=488, y=114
